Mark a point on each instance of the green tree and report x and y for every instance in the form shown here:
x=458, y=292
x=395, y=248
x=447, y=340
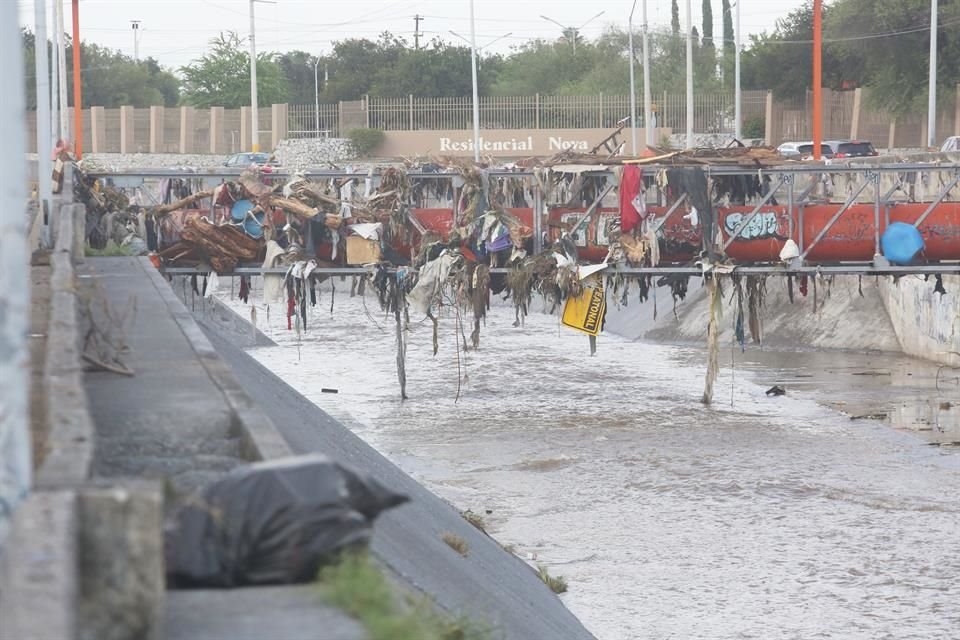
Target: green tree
x=222, y=77
x=883, y=45
x=709, y=50
x=675, y=18
x=297, y=69
x=729, y=46
x=109, y=78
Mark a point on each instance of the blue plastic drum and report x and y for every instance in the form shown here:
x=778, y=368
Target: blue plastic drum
x=240, y=209
x=901, y=243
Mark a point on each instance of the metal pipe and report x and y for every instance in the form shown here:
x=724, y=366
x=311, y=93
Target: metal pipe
x=932, y=81
x=316, y=94
x=737, y=94
x=689, y=144
x=940, y=197
x=670, y=212
x=537, y=218
x=817, y=77
x=476, y=90
x=64, y=131
x=15, y=448
x=876, y=214
x=753, y=214
x=647, y=109
x=44, y=142
x=77, y=85
x=633, y=85
x=54, y=75
x=254, y=99
x=789, y=180
x=835, y=217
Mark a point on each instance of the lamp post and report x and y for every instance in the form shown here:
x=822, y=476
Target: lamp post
x=135, y=25
x=689, y=144
x=932, y=90
x=254, y=99
x=647, y=109
x=633, y=88
x=481, y=48
x=738, y=96
x=575, y=31
x=316, y=93
x=476, y=92
x=44, y=143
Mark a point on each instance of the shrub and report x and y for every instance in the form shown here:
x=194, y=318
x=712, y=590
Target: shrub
x=754, y=127
x=364, y=141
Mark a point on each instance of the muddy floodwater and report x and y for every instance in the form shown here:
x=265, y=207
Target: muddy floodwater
x=756, y=517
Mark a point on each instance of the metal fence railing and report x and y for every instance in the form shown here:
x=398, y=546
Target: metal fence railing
x=302, y=121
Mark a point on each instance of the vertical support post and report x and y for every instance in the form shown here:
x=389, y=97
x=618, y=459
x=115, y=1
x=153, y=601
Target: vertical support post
x=537, y=113
x=216, y=129
x=737, y=94
x=98, y=120
x=633, y=86
x=410, y=127
x=855, y=119
x=892, y=135
x=254, y=100
x=44, y=142
x=817, y=77
x=156, y=129
x=62, y=77
x=77, y=85
x=126, y=129
x=537, y=217
x=15, y=450
x=689, y=143
x=600, y=112
x=876, y=213
x=188, y=129
x=768, y=120
x=245, y=120
x=956, y=110
x=647, y=116
x=476, y=91
x=278, y=123
x=788, y=178
x=932, y=81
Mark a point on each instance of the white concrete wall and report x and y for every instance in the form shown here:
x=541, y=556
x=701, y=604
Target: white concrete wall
x=927, y=324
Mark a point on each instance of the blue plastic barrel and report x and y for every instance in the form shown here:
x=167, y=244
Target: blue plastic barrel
x=901, y=243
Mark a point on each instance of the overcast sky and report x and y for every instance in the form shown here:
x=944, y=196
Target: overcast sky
x=177, y=31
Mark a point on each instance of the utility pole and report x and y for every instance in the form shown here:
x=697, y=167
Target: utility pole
x=689, y=144
x=77, y=85
x=932, y=91
x=817, y=77
x=254, y=115
x=476, y=92
x=64, y=132
x=15, y=462
x=416, y=31
x=135, y=25
x=738, y=96
x=54, y=74
x=633, y=87
x=316, y=93
x=647, y=110
x=44, y=144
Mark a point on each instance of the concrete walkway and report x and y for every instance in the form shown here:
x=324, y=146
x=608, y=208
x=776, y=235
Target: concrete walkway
x=180, y=418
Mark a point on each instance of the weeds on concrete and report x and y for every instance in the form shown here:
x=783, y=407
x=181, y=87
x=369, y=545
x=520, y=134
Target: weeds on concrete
x=557, y=584
x=475, y=519
x=357, y=586
x=456, y=543
x=111, y=250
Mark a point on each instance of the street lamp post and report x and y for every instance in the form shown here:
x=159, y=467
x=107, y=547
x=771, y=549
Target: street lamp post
x=633, y=87
x=254, y=99
x=316, y=93
x=647, y=110
x=738, y=95
x=932, y=88
x=135, y=25
x=689, y=144
x=476, y=92
x=575, y=31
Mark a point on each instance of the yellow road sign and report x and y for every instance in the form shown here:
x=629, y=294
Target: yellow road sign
x=586, y=311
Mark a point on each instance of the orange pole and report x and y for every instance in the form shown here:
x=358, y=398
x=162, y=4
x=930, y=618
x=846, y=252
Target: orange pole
x=77, y=89
x=817, y=77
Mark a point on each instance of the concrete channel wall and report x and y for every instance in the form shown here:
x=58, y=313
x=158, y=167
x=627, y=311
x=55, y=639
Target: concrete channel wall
x=927, y=323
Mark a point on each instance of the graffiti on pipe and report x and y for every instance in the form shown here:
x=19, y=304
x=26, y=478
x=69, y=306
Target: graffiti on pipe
x=764, y=225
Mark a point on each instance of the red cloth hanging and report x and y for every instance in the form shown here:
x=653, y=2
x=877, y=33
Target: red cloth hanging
x=631, y=184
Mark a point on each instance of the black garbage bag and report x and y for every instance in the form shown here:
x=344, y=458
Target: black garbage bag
x=273, y=523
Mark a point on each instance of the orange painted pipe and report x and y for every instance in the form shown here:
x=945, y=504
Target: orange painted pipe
x=817, y=77
x=77, y=88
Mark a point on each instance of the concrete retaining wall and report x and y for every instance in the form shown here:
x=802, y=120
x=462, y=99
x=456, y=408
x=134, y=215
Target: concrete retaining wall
x=927, y=324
